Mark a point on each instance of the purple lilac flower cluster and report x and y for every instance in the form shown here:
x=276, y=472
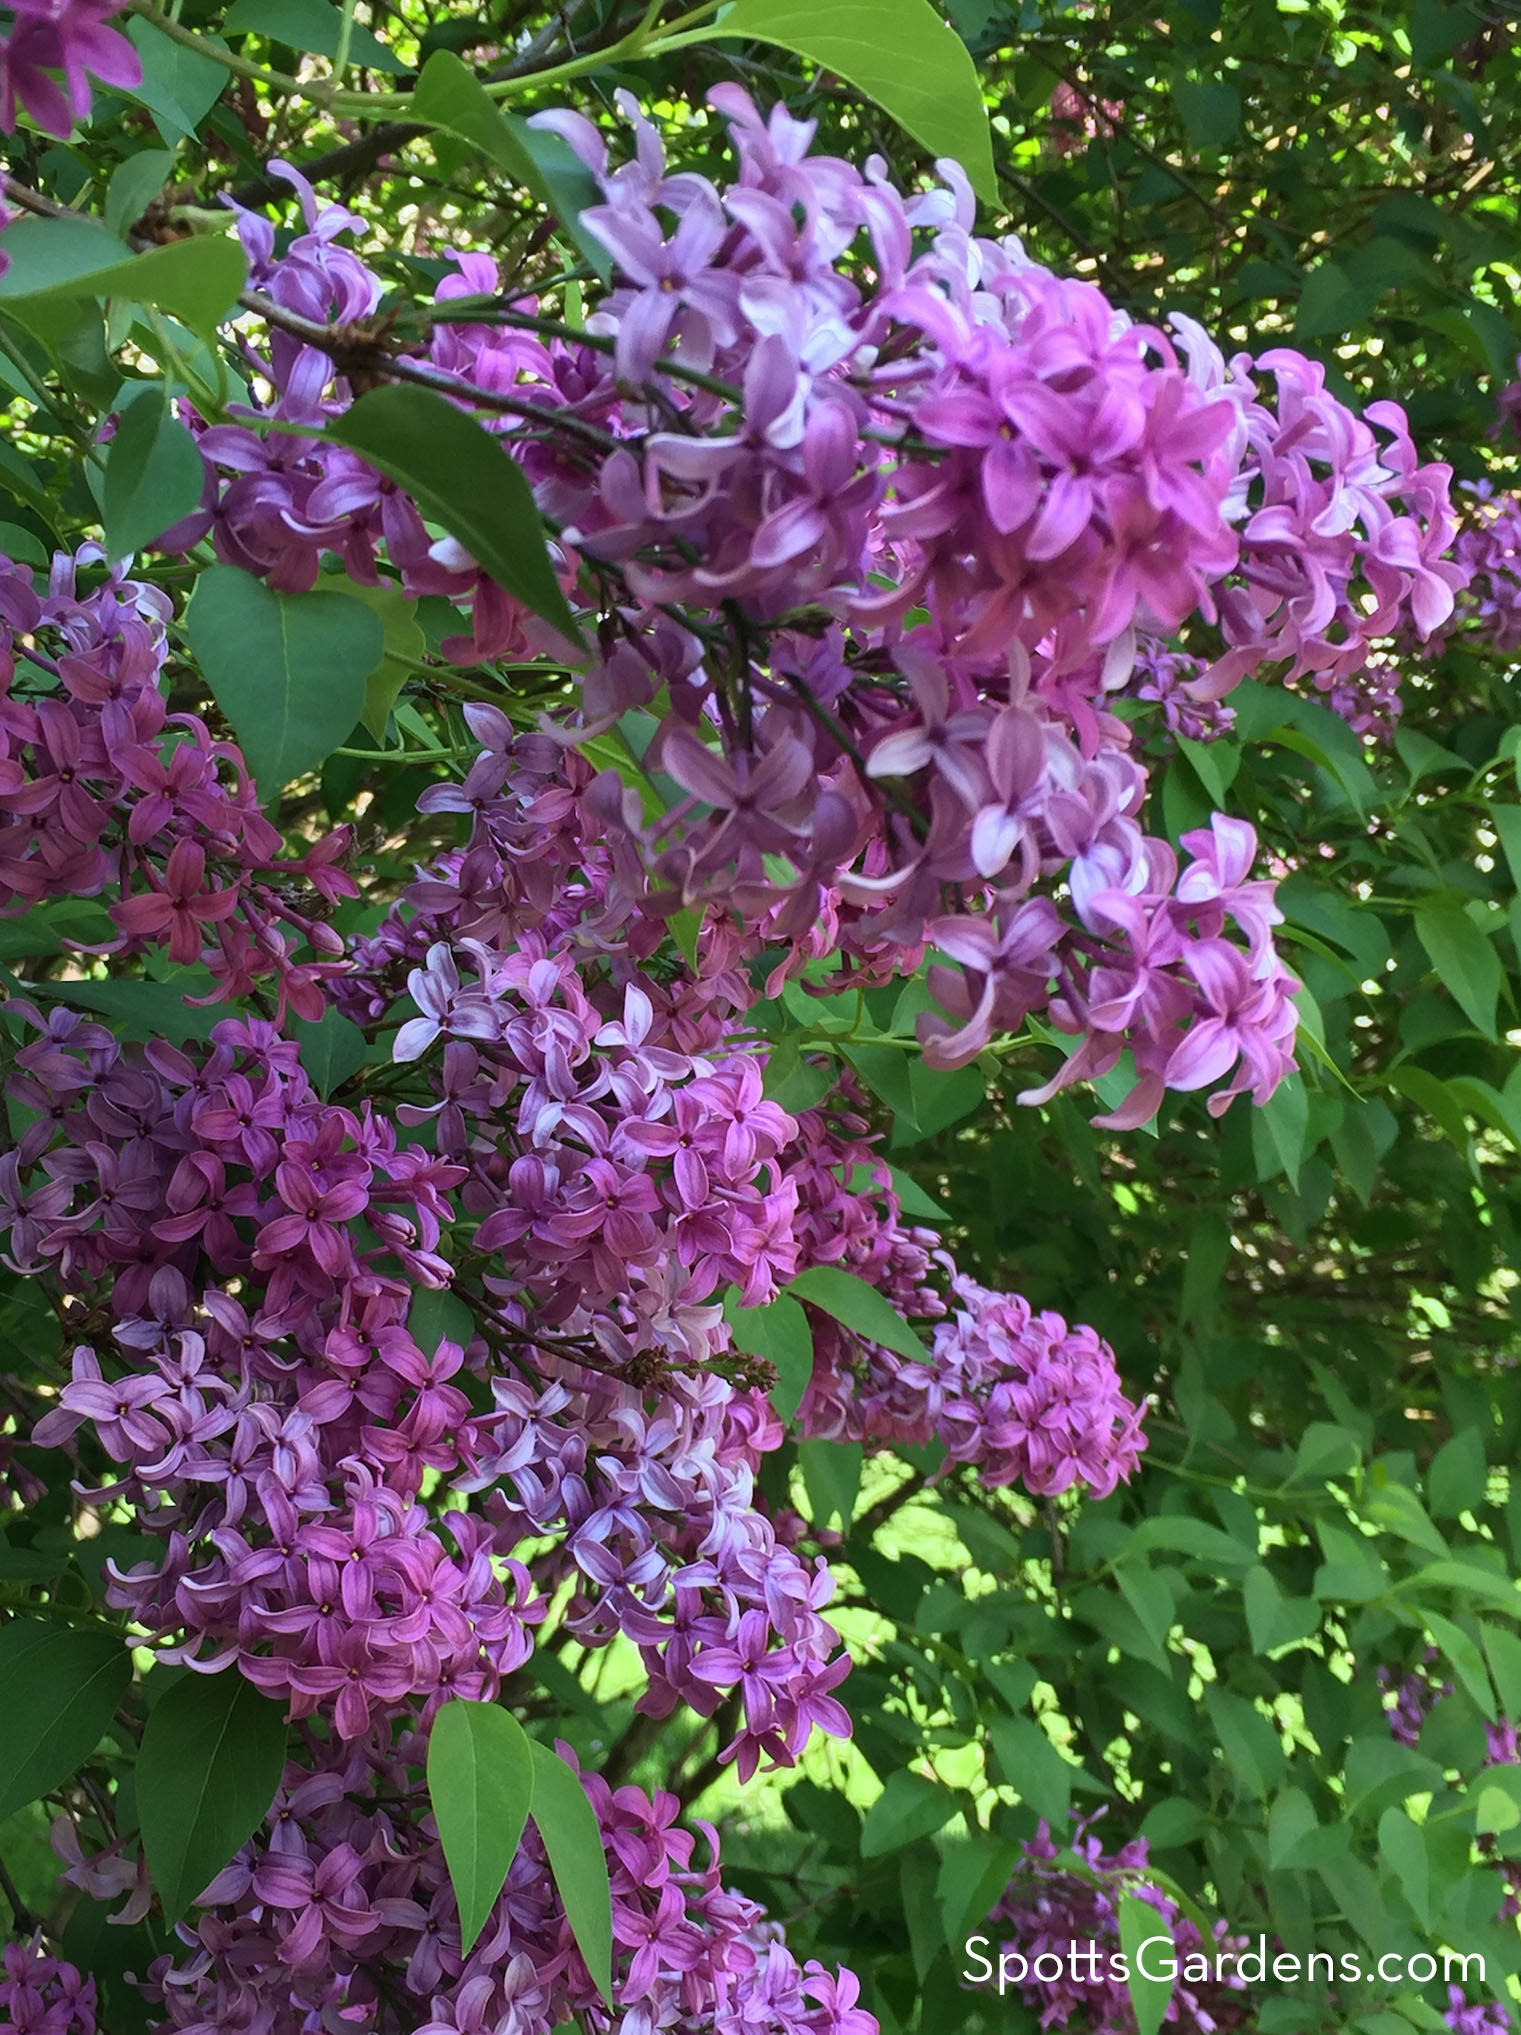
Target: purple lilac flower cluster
x=341, y=1915
x=1467, y=2017
x=595, y=1166
x=106, y=794
x=1489, y=548
x=1020, y=1396
x=60, y=36
x=949, y=427
x=42, y=1995
x=1050, y=1910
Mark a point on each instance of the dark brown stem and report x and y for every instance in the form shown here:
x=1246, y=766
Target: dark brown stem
x=883, y=1510
x=24, y=1920
x=630, y=1746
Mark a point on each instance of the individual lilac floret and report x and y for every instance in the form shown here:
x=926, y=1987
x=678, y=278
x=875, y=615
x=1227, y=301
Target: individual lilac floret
x=67, y=37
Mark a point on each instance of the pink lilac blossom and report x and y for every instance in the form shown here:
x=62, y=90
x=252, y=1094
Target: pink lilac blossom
x=339, y=1913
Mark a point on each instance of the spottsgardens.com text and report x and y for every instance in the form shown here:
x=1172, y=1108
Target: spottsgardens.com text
x=1253, y=1964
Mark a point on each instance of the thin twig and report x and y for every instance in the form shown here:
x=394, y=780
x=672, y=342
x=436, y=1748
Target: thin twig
x=25, y=1921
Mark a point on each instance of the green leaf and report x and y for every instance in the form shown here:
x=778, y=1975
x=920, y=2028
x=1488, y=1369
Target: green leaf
x=134, y=185
x=1396, y=1509
x=459, y=474
x=1032, y=1765
x=179, y=85
x=685, y=926
x=941, y=1097
x=1172, y=1823
x=832, y=1478
x=404, y=640
x=26, y=1565
x=913, y=1200
x=1291, y=1820
x=1404, y=1846
x=210, y=1762
x=1146, y=1591
x=1503, y=1649
x=1141, y=1929
x=1463, y=956
x=436, y=1315
x=146, y=1010
x=885, y=1070
x=20, y=546
x=481, y=1783
x=971, y=1878
x=1436, y=1097
x=859, y=1306
x=448, y=95
x=794, y=1082
x=56, y=261
x=909, y=1807
x=1248, y=1740
x=1465, y=1659
x=1331, y=302
x=1325, y=1450
x=899, y=53
x=779, y=1332
x=1272, y=1619
x=51, y=927
x=1496, y=1812
x=1207, y=1255
x=1210, y=111
x=332, y=1048
x=288, y=670
x=572, y=1836
x=59, y=1689
x=154, y=476
x=311, y=25
x=1279, y=1129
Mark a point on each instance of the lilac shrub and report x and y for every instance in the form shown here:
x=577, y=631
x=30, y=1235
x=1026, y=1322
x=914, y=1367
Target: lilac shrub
x=872, y=525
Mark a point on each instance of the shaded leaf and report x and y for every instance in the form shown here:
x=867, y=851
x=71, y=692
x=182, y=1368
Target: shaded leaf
x=60, y=260
x=449, y=95
x=458, y=474
x=154, y=476
x=1143, y=1932
x=59, y=1689
x=210, y=1762
x=1463, y=956
x=908, y=1807
x=311, y=25
x=288, y=670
